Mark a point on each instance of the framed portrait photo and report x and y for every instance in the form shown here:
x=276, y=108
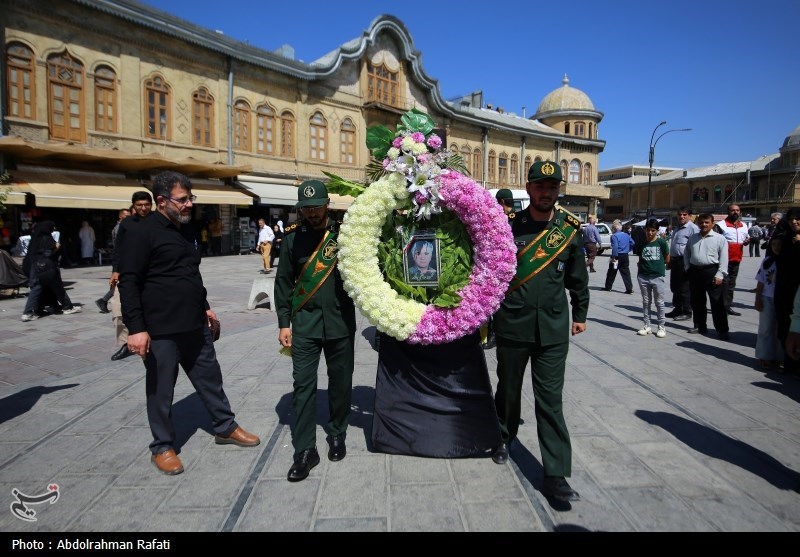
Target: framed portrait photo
x=421, y=260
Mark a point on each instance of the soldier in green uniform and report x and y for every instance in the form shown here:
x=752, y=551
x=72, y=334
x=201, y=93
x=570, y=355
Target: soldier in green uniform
x=533, y=324
x=315, y=315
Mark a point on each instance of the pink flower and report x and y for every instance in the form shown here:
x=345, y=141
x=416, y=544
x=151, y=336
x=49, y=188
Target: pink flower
x=418, y=137
x=434, y=142
x=397, y=141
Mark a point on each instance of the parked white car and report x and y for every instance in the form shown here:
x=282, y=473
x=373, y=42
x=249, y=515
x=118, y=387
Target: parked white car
x=605, y=236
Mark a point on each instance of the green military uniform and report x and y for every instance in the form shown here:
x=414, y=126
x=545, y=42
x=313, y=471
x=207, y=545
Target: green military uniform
x=534, y=323
x=324, y=323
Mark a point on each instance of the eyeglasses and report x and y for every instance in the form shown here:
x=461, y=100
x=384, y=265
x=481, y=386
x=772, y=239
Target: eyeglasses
x=184, y=200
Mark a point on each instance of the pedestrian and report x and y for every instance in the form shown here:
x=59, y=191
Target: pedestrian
x=276, y=244
x=102, y=303
x=653, y=261
x=678, y=279
x=215, y=231
x=755, y=233
x=792, y=344
x=735, y=232
x=706, y=261
x=787, y=281
x=265, y=238
x=769, y=350
x=315, y=316
x=505, y=197
x=44, y=277
x=621, y=246
x=141, y=205
x=87, y=238
x=165, y=307
x=591, y=242
x=533, y=325
x=769, y=229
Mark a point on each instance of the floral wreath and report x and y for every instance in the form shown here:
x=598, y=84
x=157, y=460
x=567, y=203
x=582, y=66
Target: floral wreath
x=414, y=173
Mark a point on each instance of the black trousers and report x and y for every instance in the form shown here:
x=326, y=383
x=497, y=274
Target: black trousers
x=624, y=268
x=701, y=283
x=679, y=286
x=730, y=283
x=194, y=351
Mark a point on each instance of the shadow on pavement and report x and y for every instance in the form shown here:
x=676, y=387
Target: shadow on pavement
x=784, y=384
x=718, y=445
x=21, y=402
x=716, y=351
x=188, y=415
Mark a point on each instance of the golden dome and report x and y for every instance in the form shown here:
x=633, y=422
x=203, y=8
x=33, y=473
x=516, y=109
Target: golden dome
x=565, y=98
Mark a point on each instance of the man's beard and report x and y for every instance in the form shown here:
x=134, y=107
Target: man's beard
x=175, y=215
x=733, y=218
x=543, y=206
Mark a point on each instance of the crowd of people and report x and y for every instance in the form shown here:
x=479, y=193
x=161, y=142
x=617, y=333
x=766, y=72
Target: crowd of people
x=161, y=313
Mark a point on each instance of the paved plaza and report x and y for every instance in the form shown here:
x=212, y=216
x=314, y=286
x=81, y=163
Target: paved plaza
x=679, y=434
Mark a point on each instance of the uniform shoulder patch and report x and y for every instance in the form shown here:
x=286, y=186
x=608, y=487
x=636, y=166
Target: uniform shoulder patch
x=572, y=219
x=511, y=216
x=291, y=228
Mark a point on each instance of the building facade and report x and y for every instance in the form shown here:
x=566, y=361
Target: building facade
x=760, y=187
x=99, y=95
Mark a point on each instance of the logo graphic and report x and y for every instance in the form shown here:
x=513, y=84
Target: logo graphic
x=330, y=250
x=21, y=510
x=309, y=191
x=548, y=169
x=555, y=239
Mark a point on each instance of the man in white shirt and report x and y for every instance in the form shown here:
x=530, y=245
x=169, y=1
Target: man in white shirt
x=706, y=262
x=265, y=238
x=735, y=232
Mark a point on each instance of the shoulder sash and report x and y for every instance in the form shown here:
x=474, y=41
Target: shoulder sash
x=542, y=250
x=316, y=270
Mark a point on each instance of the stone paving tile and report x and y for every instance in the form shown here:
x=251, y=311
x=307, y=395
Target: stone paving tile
x=38, y=462
x=612, y=463
x=480, y=480
x=339, y=499
x=424, y=508
x=507, y=516
x=358, y=524
x=403, y=469
x=735, y=514
x=296, y=506
x=40, y=422
x=656, y=509
x=112, y=453
x=597, y=511
x=125, y=510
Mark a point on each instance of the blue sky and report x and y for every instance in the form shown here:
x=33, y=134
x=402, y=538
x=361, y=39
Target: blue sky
x=728, y=69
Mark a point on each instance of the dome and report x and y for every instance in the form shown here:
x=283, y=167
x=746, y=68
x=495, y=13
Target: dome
x=565, y=98
x=792, y=141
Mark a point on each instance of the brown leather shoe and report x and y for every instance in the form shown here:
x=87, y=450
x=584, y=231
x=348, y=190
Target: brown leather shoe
x=238, y=437
x=167, y=462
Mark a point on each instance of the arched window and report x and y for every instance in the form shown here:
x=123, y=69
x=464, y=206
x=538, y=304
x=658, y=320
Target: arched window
x=382, y=85
x=591, y=130
x=587, y=173
x=537, y=158
x=265, y=130
x=566, y=127
x=318, y=130
x=502, y=166
x=575, y=171
x=156, y=94
x=490, y=168
x=241, y=125
x=348, y=142
x=466, y=154
x=105, y=99
x=564, y=169
x=528, y=164
x=513, y=171
x=580, y=129
x=21, y=81
x=287, y=134
x=717, y=194
x=728, y=193
x=65, y=96
x=477, y=165
x=202, y=117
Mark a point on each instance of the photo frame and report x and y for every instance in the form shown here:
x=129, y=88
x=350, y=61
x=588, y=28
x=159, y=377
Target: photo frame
x=422, y=260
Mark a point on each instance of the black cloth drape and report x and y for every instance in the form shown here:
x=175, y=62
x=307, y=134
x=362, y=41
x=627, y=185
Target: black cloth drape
x=435, y=400
x=11, y=274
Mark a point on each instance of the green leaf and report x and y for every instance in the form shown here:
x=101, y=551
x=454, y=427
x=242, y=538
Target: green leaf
x=340, y=186
x=379, y=140
x=416, y=121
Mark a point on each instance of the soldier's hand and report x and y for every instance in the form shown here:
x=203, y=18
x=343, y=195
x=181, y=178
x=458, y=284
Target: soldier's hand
x=578, y=328
x=285, y=337
x=139, y=343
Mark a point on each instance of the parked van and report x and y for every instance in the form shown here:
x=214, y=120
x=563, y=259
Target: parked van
x=521, y=199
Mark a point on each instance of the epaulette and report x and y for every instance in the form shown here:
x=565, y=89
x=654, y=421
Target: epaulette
x=291, y=228
x=570, y=218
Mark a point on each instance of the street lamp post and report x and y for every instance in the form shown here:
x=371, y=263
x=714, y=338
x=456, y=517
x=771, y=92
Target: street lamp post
x=652, y=157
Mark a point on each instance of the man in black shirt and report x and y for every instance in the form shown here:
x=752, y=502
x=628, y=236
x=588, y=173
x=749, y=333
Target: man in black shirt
x=165, y=308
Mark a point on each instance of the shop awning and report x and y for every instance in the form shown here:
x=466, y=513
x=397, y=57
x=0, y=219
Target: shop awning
x=271, y=193
x=113, y=161
x=87, y=190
